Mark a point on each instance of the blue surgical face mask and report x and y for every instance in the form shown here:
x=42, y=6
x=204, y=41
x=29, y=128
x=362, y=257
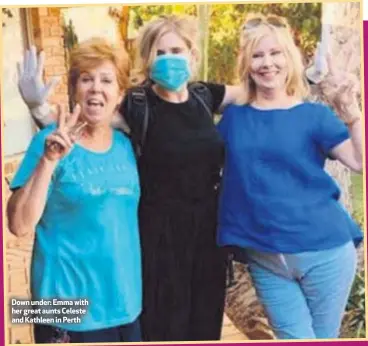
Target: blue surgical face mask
x=170, y=71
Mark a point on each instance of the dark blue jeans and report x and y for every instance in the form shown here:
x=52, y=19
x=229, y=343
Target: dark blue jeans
x=45, y=334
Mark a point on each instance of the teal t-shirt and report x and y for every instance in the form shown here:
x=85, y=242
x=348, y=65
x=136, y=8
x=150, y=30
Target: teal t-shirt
x=276, y=195
x=87, y=241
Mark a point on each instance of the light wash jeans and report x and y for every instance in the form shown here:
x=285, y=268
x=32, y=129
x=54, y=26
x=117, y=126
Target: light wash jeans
x=304, y=294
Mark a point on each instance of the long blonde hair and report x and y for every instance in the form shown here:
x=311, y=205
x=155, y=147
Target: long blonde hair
x=185, y=27
x=250, y=36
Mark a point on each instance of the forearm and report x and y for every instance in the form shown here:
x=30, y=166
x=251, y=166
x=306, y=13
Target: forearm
x=355, y=130
x=27, y=204
x=118, y=122
x=233, y=94
x=42, y=115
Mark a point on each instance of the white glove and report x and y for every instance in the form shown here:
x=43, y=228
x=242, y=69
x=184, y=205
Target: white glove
x=31, y=86
x=118, y=122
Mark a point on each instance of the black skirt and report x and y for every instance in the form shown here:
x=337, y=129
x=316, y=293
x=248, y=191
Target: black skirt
x=184, y=271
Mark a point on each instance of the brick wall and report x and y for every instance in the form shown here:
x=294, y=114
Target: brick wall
x=48, y=35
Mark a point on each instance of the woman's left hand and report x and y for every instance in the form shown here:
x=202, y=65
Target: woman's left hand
x=60, y=142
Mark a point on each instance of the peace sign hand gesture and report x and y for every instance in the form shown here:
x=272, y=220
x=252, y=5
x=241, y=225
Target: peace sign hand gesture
x=60, y=142
x=340, y=89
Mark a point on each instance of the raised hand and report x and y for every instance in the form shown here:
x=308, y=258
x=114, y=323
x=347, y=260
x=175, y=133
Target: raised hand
x=60, y=142
x=31, y=86
x=340, y=89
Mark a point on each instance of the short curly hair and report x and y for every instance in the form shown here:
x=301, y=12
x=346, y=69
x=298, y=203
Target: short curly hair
x=91, y=53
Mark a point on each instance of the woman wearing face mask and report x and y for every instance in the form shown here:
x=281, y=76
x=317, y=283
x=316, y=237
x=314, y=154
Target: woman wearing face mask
x=80, y=197
x=278, y=207
x=183, y=270
x=179, y=167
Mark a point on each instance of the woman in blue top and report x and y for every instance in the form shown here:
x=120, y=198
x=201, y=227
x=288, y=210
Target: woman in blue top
x=183, y=269
x=81, y=197
x=278, y=207
x=179, y=167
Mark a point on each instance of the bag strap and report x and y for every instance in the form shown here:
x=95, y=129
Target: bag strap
x=138, y=112
x=203, y=95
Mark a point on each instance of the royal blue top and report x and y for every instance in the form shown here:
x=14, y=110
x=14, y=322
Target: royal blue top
x=276, y=195
x=87, y=241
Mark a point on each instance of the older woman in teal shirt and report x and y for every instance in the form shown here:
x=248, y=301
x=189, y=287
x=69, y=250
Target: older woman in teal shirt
x=80, y=196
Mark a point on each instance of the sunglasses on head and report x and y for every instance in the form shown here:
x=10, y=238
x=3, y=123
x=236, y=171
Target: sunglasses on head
x=275, y=21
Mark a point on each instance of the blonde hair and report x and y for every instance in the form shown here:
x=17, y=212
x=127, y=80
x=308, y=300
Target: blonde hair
x=185, y=27
x=250, y=36
x=90, y=54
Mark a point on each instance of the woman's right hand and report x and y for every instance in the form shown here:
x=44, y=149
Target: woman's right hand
x=31, y=86
x=60, y=142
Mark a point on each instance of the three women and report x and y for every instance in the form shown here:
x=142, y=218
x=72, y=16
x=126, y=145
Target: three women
x=180, y=163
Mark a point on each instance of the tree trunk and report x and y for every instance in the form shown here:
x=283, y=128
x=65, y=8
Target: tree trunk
x=123, y=23
x=342, y=25
x=121, y=16
x=341, y=22
x=203, y=22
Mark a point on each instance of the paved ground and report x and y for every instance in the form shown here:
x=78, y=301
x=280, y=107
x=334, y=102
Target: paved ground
x=17, y=273
x=230, y=332
x=17, y=260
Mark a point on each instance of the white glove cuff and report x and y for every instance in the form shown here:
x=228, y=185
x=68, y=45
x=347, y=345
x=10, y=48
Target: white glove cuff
x=41, y=112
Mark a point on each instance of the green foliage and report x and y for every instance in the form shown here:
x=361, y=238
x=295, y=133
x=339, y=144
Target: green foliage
x=6, y=13
x=354, y=321
x=225, y=23
x=146, y=13
x=357, y=198
x=353, y=325
x=70, y=37
x=70, y=40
